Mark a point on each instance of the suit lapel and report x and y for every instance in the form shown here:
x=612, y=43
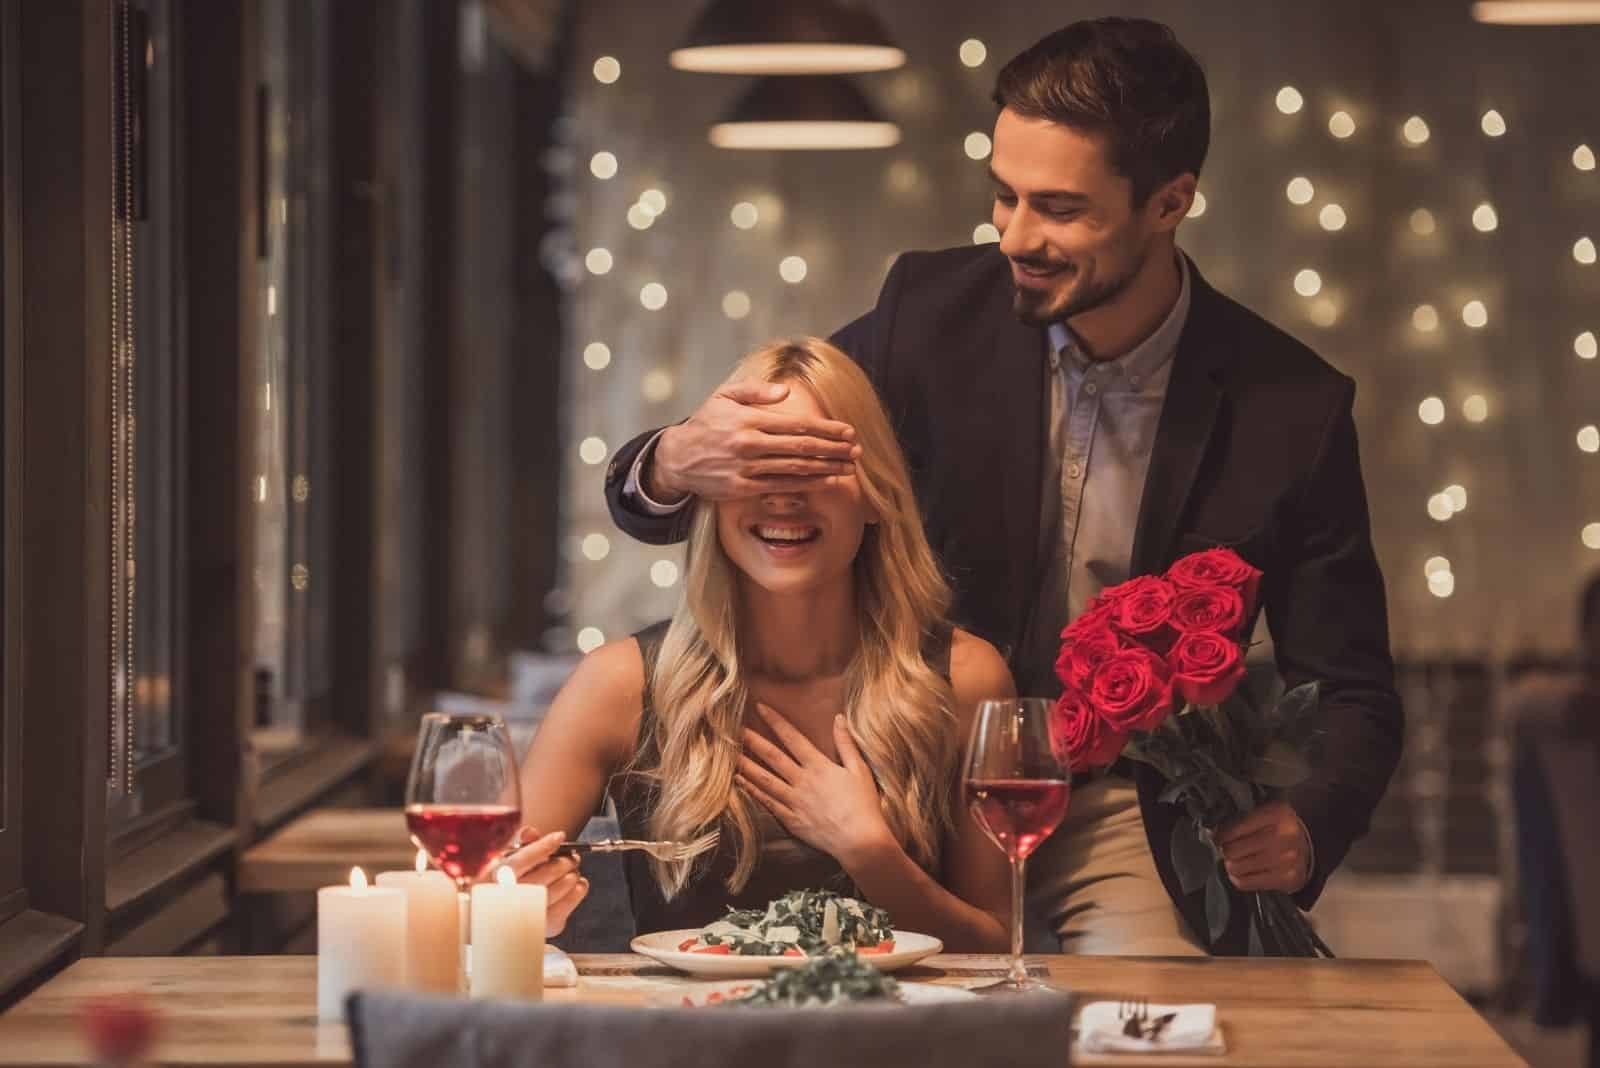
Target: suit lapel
x=1019, y=391
x=1194, y=395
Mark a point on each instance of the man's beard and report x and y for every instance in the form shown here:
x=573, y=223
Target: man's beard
x=1037, y=308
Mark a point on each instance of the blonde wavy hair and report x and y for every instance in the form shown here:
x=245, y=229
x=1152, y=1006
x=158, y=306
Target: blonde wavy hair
x=897, y=705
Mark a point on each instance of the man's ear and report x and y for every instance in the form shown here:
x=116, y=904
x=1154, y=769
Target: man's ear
x=1171, y=203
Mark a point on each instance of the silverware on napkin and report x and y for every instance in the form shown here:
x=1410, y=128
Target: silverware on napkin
x=1136, y=1021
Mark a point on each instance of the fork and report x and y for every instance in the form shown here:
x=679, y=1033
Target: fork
x=1137, y=1022
x=668, y=852
x=1135, y=1015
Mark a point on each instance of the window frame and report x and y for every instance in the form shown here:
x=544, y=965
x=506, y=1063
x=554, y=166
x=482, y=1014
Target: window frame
x=13, y=895
x=297, y=256
x=160, y=800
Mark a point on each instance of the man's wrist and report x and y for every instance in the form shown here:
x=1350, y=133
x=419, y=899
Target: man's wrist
x=1310, y=866
x=653, y=478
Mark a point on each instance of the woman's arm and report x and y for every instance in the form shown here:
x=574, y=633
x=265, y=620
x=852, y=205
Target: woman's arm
x=589, y=732
x=974, y=867
x=834, y=806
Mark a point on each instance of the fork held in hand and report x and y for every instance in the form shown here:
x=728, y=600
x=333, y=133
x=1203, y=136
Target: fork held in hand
x=663, y=851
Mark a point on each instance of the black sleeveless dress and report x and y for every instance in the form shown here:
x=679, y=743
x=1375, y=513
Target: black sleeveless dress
x=784, y=863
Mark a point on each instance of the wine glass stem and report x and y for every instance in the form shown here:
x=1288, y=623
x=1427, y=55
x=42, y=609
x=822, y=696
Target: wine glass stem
x=1019, y=971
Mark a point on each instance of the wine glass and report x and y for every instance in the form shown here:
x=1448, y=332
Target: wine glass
x=1017, y=787
x=463, y=804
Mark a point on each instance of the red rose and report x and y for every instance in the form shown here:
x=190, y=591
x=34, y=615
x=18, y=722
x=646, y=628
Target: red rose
x=1144, y=611
x=1081, y=738
x=1107, y=598
x=1206, y=667
x=1218, y=609
x=1132, y=690
x=1217, y=567
x=1084, y=648
x=1096, y=615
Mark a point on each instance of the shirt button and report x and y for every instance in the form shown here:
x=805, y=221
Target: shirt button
x=1074, y=471
x=1091, y=389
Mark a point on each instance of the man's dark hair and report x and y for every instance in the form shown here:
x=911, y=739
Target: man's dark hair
x=1128, y=81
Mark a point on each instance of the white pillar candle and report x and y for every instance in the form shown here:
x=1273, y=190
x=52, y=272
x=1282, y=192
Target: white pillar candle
x=507, y=939
x=361, y=941
x=433, y=928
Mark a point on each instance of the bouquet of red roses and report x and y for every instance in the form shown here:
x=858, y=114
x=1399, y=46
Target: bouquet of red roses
x=1152, y=671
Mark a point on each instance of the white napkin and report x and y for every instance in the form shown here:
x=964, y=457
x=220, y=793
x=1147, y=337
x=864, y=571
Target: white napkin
x=1193, y=1030
x=558, y=968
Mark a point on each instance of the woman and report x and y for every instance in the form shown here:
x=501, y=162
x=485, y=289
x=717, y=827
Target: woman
x=807, y=701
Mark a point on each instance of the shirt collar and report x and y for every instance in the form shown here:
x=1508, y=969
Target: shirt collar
x=1145, y=358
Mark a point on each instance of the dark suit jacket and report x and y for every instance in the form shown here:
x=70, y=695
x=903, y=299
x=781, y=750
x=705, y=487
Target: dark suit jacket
x=1255, y=449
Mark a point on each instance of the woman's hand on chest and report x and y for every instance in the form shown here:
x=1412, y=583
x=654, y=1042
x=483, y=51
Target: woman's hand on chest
x=830, y=803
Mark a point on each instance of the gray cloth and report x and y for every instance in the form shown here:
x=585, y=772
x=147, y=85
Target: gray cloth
x=1102, y=427
x=391, y=1030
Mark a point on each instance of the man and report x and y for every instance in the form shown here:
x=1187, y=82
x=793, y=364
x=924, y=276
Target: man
x=1079, y=406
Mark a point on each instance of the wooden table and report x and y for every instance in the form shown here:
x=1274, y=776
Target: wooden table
x=321, y=847
x=261, y=1011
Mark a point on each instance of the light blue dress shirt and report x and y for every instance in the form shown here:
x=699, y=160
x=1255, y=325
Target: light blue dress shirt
x=1102, y=426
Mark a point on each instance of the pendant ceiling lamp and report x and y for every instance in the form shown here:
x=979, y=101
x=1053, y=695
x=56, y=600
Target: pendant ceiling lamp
x=1538, y=12
x=787, y=37
x=804, y=111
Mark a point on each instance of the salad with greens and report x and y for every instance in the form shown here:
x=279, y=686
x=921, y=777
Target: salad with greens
x=837, y=976
x=801, y=923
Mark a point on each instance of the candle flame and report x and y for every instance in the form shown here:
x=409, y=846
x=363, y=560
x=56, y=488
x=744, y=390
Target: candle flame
x=358, y=879
x=422, y=861
x=505, y=876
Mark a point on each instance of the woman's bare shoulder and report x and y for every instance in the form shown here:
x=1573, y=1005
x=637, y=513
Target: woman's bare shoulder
x=977, y=670
x=614, y=670
x=605, y=694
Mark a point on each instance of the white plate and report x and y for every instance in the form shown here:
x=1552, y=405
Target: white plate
x=663, y=947
x=702, y=994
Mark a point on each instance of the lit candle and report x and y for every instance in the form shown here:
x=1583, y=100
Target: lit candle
x=361, y=941
x=433, y=927
x=507, y=938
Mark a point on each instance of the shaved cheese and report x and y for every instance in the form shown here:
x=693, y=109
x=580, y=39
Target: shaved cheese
x=830, y=923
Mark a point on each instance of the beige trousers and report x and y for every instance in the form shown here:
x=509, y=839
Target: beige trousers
x=1094, y=882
